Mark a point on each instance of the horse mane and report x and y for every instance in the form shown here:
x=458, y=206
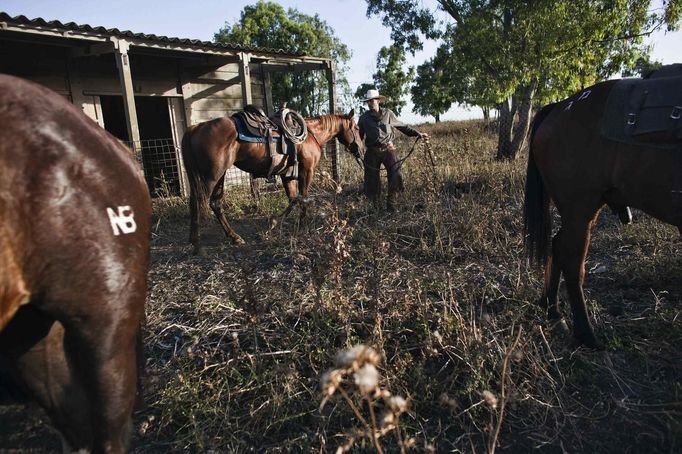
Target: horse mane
x=328, y=121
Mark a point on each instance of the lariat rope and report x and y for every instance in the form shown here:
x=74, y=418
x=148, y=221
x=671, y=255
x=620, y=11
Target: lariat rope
x=429, y=152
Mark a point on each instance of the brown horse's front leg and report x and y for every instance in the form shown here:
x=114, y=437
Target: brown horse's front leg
x=216, y=204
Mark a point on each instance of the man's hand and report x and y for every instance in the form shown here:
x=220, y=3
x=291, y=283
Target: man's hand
x=424, y=136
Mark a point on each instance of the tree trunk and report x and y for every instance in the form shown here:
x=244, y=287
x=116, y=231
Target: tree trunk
x=524, y=111
x=486, y=113
x=505, y=130
x=437, y=117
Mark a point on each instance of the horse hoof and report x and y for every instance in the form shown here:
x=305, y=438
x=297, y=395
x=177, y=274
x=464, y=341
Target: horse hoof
x=238, y=240
x=589, y=342
x=560, y=327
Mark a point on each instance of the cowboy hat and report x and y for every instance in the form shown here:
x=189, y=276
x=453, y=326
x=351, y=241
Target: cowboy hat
x=373, y=94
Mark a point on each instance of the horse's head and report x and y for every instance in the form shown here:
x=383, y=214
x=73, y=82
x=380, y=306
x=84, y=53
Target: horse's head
x=349, y=134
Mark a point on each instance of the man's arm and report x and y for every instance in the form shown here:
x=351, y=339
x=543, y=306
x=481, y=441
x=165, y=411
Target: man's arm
x=405, y=129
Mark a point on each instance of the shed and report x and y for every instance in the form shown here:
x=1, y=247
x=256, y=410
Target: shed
x=146, y=89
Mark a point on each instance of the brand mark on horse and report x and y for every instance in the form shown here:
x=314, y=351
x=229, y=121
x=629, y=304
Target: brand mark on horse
x=122, y=221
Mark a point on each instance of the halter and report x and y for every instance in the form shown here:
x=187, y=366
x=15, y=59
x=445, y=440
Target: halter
x=358, y=156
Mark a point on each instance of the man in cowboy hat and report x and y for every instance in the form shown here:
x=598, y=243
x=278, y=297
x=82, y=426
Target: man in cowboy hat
x=377, y=130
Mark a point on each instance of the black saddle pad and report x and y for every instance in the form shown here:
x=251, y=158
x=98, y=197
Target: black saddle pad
x=646, y=112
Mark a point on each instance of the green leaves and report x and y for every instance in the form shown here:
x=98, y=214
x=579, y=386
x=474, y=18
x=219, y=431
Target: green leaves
x=494, y=49
x=391, y=78
x=503, y=44
x=267, y=24
x=432, y=92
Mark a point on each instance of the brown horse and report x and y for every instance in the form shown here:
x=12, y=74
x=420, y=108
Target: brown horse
x=209, y=149
x=74, y=250
x=572, y=163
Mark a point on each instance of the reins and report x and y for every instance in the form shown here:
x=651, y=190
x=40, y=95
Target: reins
x=399, y=161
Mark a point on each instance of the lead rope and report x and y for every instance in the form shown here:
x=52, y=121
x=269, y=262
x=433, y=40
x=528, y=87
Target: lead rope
x=397, y=163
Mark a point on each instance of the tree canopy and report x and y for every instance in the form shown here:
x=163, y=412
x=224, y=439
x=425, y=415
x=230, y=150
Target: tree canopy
x=267, y=24
x=432, y=92
x=391, y=78
x=514, y=51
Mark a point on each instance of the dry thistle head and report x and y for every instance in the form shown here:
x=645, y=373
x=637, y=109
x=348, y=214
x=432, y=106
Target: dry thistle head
x=367, y=378
x=387, y=419
x=330, y=381
x=490, y=399
x=397, y=404
x=356, y=356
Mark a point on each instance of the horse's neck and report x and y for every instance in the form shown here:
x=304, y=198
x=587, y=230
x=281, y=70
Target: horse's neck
x=325, y=129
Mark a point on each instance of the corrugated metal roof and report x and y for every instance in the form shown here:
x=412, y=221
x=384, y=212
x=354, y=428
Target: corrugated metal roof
x=40, y=22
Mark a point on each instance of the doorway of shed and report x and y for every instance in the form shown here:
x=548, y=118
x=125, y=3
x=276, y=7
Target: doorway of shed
x=157, y=145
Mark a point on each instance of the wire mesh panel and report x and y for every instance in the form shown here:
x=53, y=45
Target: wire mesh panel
x=159, y=159
x=237, y=177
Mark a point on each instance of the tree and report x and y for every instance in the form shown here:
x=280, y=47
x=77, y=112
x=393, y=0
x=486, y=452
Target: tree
x=512, y=52
x=431, y=95
x=643, y=67
x=267, y=24
x=391, y=78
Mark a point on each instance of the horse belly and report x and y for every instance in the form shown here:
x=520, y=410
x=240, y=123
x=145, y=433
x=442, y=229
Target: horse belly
x=648, y=179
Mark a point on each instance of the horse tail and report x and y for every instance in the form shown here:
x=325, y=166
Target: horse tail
x=537, y=226
x=198, y=193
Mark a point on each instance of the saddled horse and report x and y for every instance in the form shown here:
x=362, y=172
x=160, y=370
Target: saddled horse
x=586, y=152
x=74, y=250
x=210, y=148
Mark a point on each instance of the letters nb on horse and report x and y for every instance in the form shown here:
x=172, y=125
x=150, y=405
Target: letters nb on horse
x=122, y=221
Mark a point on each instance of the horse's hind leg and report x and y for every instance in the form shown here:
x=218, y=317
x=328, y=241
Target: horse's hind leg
x=291, y=190
x=33, y=346
x=549, y=300
x=216, y=204
x=573, y=246
x=194, y=215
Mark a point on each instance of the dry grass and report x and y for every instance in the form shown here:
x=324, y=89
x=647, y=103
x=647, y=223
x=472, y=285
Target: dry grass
x=238, y=340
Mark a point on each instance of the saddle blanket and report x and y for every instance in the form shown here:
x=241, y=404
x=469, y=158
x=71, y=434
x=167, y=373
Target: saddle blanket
x=244, y=135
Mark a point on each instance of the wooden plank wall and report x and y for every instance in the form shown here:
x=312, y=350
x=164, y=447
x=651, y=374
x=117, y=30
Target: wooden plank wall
x=44, y=65
x=211, y=93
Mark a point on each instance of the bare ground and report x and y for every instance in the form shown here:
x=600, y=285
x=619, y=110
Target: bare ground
x=237, y=339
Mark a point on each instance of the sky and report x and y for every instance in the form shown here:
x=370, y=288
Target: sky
x=200, y=19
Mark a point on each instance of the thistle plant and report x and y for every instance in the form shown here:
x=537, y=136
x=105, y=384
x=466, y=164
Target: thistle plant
x=356, y=379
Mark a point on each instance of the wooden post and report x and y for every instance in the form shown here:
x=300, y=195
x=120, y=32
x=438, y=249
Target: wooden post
x=121, y=48
x=245, y=78
x=267, y=91
x=331, y=87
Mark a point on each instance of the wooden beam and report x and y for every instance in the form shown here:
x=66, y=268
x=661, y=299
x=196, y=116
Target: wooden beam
x=267, y=92
x=292, y=67
x=93, y=50
x=331, y=87
x=126, y=79
x=245, y=77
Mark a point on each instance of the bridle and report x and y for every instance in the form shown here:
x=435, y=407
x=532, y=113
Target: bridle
x=356, y=132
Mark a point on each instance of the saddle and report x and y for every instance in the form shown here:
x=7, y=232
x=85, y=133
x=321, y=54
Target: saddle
x=646, y=111
x=281, y=133
x=649, y=112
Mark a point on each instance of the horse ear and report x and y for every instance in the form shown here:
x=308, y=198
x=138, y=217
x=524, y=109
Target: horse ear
x=351, y=114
